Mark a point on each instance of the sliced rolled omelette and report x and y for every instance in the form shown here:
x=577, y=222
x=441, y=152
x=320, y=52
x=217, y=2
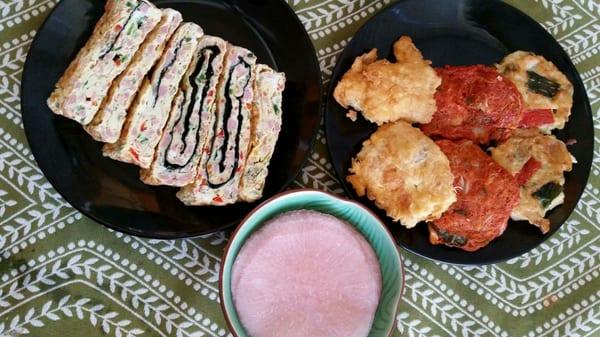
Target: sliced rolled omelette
x=221, y=166
x=547, y=93
x=538, y=162
x=266, y=124
x=116, y=37
x=108, y=122
x=181, y=146
x=150, y=111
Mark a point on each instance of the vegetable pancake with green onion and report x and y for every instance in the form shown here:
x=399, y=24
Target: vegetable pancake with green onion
x=538, y=161
x=547, y=93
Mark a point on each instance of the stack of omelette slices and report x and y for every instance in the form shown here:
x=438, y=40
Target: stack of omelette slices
x=191, y=110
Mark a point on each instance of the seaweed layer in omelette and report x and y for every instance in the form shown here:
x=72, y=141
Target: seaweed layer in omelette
x=486, y=193
x=405, y=173
x=539, y=162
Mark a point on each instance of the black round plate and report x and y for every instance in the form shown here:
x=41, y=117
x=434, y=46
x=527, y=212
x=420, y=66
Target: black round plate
x=110, y=192
x=461, y=32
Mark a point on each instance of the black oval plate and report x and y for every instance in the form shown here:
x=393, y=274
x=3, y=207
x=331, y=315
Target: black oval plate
x=110, y=192
x=461, y=32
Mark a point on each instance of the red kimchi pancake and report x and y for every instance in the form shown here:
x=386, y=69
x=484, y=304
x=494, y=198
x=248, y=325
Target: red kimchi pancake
x=475, y=103
x=486, y=193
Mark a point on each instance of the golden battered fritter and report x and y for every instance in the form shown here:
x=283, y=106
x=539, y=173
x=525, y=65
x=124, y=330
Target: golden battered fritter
x=542, y=86
x=405, y=173
x=385, y=91
x=539, y=160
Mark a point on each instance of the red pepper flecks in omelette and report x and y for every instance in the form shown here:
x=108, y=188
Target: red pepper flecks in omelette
x=475, y=103
x=486, y=193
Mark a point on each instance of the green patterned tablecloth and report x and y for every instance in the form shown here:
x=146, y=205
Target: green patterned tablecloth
x=61, y=274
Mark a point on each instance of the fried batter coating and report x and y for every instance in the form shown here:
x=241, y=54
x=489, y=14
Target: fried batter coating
x=486, y=193
x=385, y=91
x=542, y=86
x=405, y=173
x=475, y=103
x=540, y=161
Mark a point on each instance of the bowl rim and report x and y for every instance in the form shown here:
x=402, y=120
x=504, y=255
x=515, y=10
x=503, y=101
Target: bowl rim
x=354, y=203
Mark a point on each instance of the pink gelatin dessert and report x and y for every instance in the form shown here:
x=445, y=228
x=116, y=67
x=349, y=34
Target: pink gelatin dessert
x=306, y=273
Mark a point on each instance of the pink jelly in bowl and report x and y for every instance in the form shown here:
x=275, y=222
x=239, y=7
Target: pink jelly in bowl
x=306, y=273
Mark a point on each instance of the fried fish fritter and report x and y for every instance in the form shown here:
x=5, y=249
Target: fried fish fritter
x=405, y=173
x=539, y=162
x=485, y=193
x=475, y=103
x=547, y=93
x=385, y=91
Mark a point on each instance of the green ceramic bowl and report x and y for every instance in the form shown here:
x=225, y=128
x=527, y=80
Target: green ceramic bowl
x=353, y=213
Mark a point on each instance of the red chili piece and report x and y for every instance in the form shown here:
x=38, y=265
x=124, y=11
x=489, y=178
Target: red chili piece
x=536, y=117
x=134, y=154
x=527, y=171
